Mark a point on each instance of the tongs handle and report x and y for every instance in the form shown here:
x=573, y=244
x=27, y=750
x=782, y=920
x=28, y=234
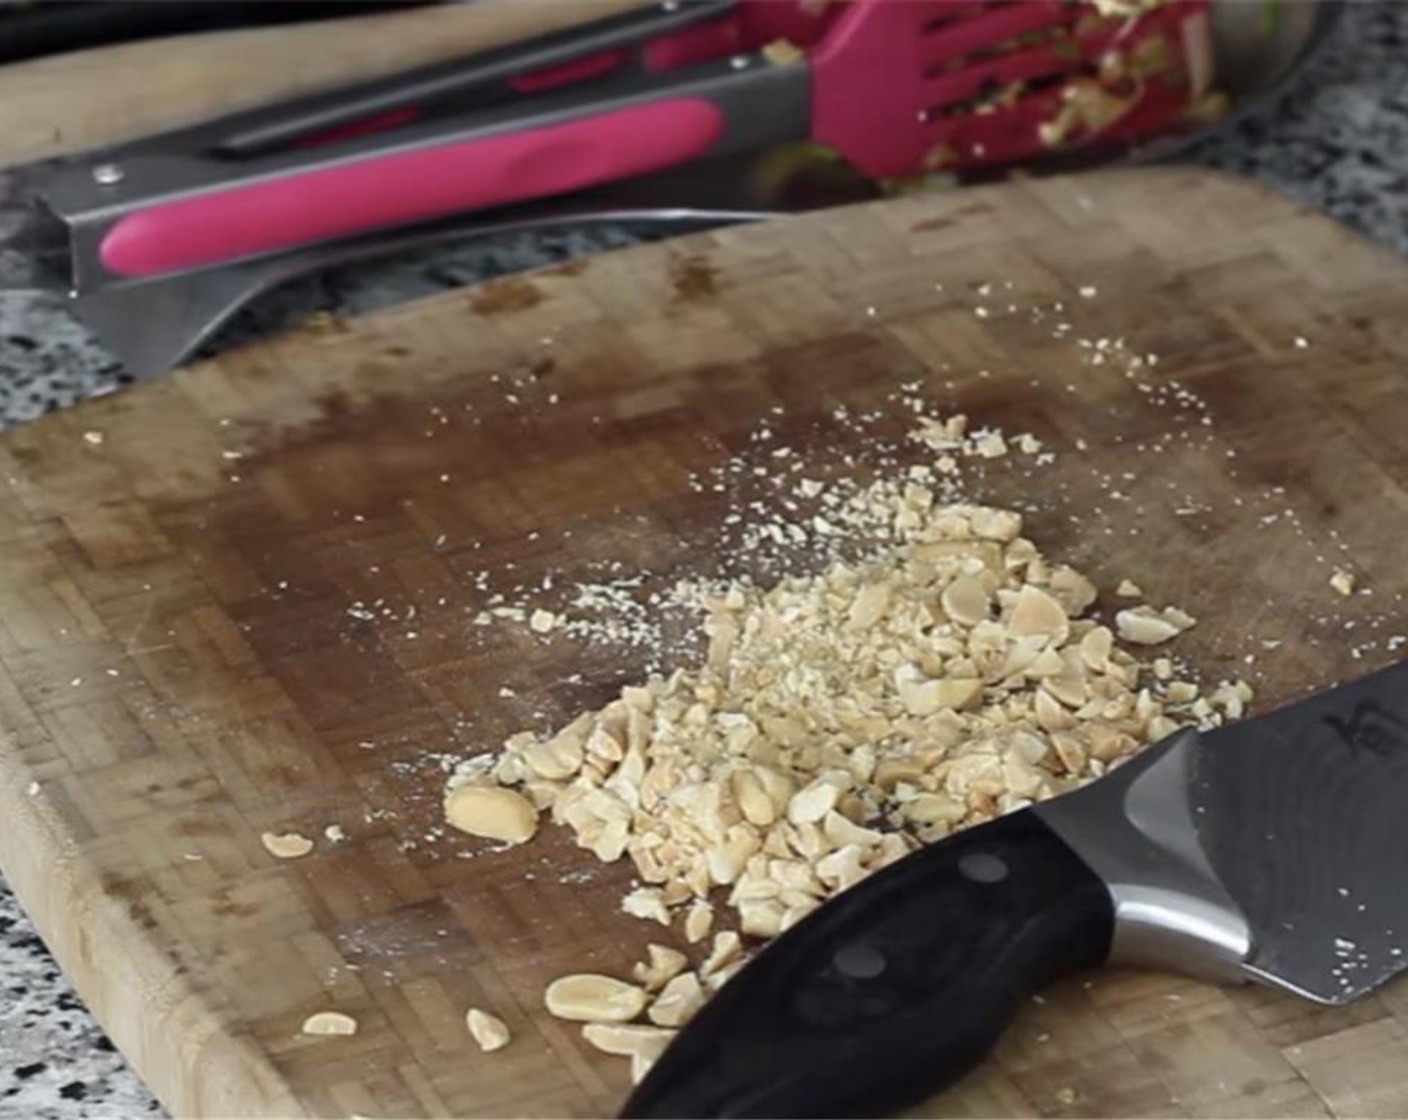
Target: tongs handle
x=635, y=127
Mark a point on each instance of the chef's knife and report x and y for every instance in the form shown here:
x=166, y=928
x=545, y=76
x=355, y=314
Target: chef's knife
x=1273, y=850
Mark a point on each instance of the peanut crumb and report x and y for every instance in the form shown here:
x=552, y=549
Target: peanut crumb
x=489, y=1031
x=330, y=1023
x=286, y=845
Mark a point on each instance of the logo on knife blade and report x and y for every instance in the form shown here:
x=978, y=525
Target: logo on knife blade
x=1371, y=727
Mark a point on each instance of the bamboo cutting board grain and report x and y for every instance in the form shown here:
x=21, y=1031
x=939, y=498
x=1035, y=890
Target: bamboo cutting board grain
x=179, y=670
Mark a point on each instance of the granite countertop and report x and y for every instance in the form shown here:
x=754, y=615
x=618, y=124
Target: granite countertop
x=1335, y=143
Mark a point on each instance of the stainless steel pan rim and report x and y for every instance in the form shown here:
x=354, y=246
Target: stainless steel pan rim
x=1258, y=66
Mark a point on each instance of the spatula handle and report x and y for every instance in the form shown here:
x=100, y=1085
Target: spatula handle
x=896, y=988
x=413, y=186
x=508, y=154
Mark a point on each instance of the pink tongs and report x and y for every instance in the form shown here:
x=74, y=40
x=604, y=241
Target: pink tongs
x=176, y=229
x=894, y=86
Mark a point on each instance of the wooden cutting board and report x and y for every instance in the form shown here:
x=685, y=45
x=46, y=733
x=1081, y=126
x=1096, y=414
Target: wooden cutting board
x=179, y=670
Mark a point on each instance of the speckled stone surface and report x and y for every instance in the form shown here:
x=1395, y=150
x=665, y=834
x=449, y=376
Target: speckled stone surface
x=55, y=1061
x=1337, y=143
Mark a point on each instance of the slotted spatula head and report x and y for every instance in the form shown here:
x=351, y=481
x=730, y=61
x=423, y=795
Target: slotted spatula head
x=903, y=86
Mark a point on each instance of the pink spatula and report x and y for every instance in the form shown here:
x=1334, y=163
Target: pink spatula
x=895, y=86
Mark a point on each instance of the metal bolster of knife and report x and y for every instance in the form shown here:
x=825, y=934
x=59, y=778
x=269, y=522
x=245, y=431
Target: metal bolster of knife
x=1171, y=910
x=154, y=321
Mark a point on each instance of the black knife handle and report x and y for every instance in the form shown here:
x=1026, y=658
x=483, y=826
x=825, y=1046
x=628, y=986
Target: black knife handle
x=894, y=989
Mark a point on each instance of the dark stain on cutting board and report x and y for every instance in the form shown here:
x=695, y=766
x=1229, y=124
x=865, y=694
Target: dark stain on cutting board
x=511, y=293
x=693, y=277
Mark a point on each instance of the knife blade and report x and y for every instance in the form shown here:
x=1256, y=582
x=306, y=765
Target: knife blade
x=1268, y=851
